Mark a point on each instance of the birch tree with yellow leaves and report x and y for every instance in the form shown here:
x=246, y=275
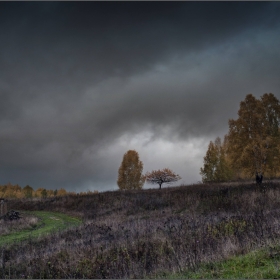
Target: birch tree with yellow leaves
x=254, y=138
x=130, y=172
x=216, y=166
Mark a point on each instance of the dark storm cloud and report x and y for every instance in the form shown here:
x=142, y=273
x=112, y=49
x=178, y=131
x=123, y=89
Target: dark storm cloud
x=77, y=76
x=89, y=40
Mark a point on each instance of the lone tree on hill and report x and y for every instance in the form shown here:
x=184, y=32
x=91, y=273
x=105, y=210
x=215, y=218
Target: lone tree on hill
x=130, y=172
x=161, y=176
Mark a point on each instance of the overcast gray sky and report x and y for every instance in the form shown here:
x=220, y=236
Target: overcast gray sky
x=83, y=82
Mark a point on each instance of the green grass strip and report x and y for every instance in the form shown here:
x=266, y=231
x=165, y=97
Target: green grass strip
x=49, y=222
x=260, y=264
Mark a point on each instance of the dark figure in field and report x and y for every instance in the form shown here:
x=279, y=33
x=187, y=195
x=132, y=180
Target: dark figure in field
x=259, y=178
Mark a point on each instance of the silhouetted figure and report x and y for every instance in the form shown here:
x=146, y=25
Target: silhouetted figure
x=260, y=178
x=257, y=178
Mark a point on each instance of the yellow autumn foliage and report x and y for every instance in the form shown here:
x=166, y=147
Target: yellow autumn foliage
x=130, y=172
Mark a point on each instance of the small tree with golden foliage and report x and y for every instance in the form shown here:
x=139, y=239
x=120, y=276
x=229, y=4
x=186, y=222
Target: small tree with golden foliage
x=216, y=167
x=130, y=172
x=161, y=176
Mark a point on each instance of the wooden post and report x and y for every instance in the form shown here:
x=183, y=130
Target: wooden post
x=3, y=207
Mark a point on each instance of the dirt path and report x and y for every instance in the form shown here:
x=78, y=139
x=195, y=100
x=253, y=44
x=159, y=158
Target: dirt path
x=48, y=222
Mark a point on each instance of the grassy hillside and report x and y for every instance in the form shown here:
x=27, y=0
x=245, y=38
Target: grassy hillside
x=34, y=224
x=149, y=233
x=258, y=264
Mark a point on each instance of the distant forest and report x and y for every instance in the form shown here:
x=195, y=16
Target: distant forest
x=16, y=191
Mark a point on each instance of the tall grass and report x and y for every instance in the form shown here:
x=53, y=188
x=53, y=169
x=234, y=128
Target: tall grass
x=40, y=223
x=259, y=264
x=25, y=222
x=144, y=234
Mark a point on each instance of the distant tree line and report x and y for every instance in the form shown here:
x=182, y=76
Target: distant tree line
x=16, y=191
x=251, y=146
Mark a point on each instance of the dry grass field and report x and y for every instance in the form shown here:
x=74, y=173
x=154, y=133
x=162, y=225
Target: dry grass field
x=147, y=233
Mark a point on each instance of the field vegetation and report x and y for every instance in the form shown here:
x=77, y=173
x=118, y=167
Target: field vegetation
x=34, y=224
x=25, y=222
x=149, y=233
x=258, y=264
